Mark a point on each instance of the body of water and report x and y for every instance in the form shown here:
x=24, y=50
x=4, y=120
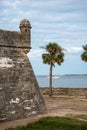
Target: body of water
x=65, y=81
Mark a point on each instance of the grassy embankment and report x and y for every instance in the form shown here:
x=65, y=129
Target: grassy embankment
x=56, y=123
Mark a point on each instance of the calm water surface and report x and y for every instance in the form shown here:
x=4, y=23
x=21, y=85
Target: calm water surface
x=65, y=81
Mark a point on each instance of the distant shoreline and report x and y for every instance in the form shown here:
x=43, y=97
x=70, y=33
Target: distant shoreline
x=66, y=75
x=75, y=75
x=64, y=81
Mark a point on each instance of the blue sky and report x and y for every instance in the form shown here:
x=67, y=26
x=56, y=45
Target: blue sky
x=60, y=21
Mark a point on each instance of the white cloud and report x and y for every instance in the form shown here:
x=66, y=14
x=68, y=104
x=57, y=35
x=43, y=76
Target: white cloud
x=11, y=3
x=64, y=22
x=36, y=53
x=73, y=49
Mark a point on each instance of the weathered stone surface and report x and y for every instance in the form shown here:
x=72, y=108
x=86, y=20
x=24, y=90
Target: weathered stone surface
x=66, y=91
x=20, y=96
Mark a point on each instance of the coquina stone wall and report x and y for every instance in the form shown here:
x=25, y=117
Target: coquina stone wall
x=20, y=96
x=76, y=92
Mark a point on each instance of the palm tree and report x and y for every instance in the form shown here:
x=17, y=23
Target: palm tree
x=84, y=54
x=54, y=55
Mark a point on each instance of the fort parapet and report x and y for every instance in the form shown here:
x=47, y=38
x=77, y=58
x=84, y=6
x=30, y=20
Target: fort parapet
x=20, y=96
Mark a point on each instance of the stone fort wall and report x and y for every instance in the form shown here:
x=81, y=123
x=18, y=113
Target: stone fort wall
x=20, y=96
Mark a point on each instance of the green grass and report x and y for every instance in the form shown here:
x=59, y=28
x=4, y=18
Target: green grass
x=53, y=123
x=80, y=116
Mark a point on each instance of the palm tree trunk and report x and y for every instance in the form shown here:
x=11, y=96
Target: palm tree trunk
x=50, y=80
